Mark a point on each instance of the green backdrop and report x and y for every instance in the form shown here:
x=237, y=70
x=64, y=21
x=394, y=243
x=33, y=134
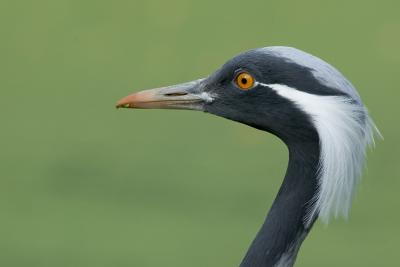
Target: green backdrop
x=83, y=184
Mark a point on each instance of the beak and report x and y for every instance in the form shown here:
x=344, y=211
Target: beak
x=189, y=95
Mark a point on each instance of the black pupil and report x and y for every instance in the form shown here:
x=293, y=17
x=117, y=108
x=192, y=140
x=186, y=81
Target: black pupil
x=244, y=80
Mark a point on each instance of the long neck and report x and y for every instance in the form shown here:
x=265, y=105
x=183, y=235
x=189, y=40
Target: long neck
x=284, y=229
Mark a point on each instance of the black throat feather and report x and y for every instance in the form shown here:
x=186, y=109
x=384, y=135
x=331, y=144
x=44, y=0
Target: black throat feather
x=285, y=228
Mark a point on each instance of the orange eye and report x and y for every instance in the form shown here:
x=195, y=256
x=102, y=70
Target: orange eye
x=244, y=80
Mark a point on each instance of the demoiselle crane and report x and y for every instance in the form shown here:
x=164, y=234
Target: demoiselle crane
x=316, y=112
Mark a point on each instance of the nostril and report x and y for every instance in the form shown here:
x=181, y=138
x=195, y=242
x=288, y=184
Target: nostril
x=176, y=94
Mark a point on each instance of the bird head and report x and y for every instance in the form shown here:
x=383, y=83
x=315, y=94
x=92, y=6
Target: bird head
x=293, y=95
x=241, y=90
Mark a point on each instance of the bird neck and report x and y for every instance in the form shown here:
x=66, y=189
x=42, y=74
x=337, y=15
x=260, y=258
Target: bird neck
x=285, y=227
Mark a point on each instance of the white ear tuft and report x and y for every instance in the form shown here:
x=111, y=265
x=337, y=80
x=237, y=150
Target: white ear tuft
x=345, y=131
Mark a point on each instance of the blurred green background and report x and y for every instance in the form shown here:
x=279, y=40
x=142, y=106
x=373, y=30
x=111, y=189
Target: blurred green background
x=83, y=184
